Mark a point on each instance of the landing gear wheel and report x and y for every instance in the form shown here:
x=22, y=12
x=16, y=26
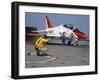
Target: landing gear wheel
x=76, y=44
x=69, y=42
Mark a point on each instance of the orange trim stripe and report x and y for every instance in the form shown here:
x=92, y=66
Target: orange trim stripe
x=36, y=34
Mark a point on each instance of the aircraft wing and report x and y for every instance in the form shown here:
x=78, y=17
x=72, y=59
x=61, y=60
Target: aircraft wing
x=41, y=31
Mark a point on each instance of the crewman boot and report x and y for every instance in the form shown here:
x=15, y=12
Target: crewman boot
x=38, y=53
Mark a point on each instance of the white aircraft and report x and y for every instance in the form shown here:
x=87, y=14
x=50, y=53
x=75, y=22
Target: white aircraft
x=61, y=30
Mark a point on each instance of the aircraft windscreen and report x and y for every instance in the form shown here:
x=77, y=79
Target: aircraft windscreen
x=77, y=30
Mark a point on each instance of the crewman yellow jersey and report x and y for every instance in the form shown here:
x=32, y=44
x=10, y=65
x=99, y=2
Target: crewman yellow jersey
x=40, y=43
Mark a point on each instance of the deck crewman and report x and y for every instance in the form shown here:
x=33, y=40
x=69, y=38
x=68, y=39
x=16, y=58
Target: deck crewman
x=40, y=46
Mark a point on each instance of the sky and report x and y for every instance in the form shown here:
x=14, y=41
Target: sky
x=38, y=20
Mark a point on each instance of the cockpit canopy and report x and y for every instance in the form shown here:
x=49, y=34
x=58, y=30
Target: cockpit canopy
x=70, y=26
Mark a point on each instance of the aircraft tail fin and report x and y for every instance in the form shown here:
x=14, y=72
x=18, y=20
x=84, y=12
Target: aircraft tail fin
x=48, y=22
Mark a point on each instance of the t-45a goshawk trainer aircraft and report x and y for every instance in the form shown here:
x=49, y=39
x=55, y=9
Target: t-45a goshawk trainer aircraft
x=70, y=33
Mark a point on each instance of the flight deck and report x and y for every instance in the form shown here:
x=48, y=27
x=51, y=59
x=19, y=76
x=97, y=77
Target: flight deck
x=61, y=55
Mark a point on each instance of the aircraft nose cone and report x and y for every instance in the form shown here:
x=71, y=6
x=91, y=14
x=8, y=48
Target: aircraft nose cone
x=84, y=36
x=81, y=35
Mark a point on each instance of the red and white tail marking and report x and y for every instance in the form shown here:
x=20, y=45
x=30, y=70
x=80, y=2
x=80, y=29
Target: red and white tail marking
x=48, y=22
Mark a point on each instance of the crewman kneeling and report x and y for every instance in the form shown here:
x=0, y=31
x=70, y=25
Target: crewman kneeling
x=40, y=46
